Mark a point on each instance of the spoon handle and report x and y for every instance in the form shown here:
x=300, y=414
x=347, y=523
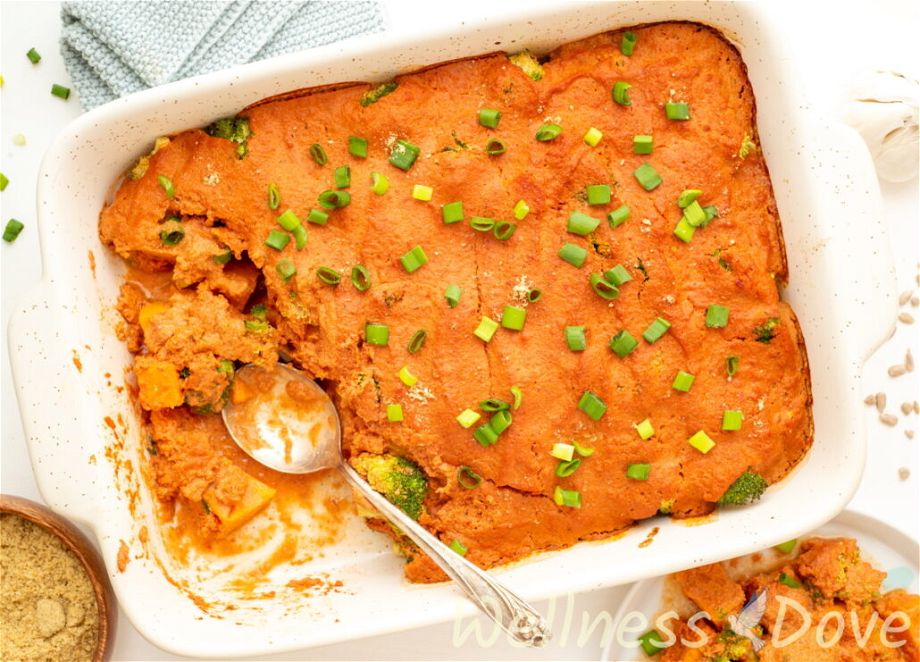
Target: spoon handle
x=515, y=616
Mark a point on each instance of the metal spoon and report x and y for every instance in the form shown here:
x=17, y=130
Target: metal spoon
x=290, y=425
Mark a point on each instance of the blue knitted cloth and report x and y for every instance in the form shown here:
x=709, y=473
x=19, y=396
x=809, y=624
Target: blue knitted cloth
x=113, y=48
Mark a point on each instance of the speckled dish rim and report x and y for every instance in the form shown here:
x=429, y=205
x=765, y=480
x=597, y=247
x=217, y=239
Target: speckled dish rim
x=841, y=283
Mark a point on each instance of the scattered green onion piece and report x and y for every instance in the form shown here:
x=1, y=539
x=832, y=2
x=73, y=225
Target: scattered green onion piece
x=482, y=223
x=788, y=546
x=60, y=91
x=489, y=117
x=223, y=258
x=394, y=413
x=259, y=311
x=575, y=338
x=500, y=421
x=639, y=471
x=643, y=144
x=452, y=212
x=288, y=220
x=406, y=377
x=687, y=196
x=584, y=451
x=534, y=295
x=375, y=94
x=620, y=93
x=732, y=420
x=513, y=318
x=518, y=397
x=683, y=381
x=504, y=230
x=414, y=260
x=277, y=240
x=645, y=429
x=300, y=236
x=593, y=137
x=652, y=643
x=731, y=365
x=404, y=154
x=786, y=580
x=334, y=199
x=12, y=230
x=274, y=197
x=417, y=341
x=495, y=147
x=33, y=56
x=19, y=140
x=573, y=254
x=379, y=183
x=285, y=269
x=377, y=334
x=318, y=154
x=592, y=405
x=684, y=231
x=618, y=216
x=694, y=214
x=225, y=367
x=357, y=147
x=521, y=209
x=548, y=132
x=628, y=43
x=468, y=478
x=317, y=217
x=563, y=452
x=656, y=329
x=711, y=213
x=458, y=547
x=342, y=176
x=328, y=276
x=566, y=469
x=167, y=185
x=494, y=404
x=485, y=435
x=3, y=181
x=701, y=442
x=452, y=294
x=172, y=233
x=623, y=344
x=468, y=417
x=423, y=193
x=581, y=224
x=618, y=275
x=568, y=498
x=716, y=316
x=602, y=288
x=260, y=326
x=647, y=177
x=677, y=111
x=486, y=329
x=360, y=278
x=598, y=194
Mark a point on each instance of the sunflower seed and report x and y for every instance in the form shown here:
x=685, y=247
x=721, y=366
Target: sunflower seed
x=906, y=318
x=896, y=371
x=905, y=297
x=915, y=301
x=888, y=419
x=906, y=408
x=880, y=401
x=916, y=407
x=903, y=473
x=870, y=399
x=909, y=361
x=909, y=434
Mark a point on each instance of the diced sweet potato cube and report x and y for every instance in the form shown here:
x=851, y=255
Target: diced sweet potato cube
x=148, y=312
x=234, y=515
x=158, y=383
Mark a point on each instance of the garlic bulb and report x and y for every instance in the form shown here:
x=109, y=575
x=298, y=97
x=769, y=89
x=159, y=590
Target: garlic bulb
x=884, y=112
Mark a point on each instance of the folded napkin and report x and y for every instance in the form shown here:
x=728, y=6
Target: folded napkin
x=114, y=48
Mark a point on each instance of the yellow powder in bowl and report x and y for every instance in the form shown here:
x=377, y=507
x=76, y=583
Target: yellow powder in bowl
x=48, y=609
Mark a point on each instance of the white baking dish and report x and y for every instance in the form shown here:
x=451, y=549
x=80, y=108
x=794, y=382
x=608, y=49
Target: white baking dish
x=841, y=285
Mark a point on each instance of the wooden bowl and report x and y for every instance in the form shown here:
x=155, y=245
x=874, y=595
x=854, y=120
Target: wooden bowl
x=85, y=551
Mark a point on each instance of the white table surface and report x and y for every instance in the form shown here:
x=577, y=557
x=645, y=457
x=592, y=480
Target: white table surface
x=831, y=45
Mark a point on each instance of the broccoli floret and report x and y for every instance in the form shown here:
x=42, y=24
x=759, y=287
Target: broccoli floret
x=747, y=488
x=376, y=94
x=398, y=479
x=528, y=64
x=766, y=331
x=748, y=147
x=735, y=647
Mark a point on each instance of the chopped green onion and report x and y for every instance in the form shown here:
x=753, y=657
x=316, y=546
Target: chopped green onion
x=259, y=311
x=620, y=93
x=645, y=429
x=360, y=278
x=379, y=183
x=521, y=209
x=342, y=176
x=357, y=147
x=593, y=137
x=701, y=442
x=223, y=258
x=494, y=404
x=172, y=233
x=518, y=397
x=167, y=185
x=548, y=132
x=602, y=288
x=647, y=177
x=573, y=254
x=732, y=420
x=334, y=199
x=788, y=546
x=422, y=193
x=416, y=341
x=404, y=154
x=643, y=144
x=598, y=194
x=394, y=413
x=618, y=216
x=468, y=478
x=500, y=421
x=656, y=329
x=592, y=405
x=687, y=196
x=575, y=338
x=285, y=269
x=485, y=435
x=225, y=367
x=504, y=230
x=731, y=365
x=711, y=213
x=652, y=643
x=3, y=181
x=534, y=295
x=486, y=329
x=452, y=212
x=716, y=316
x=328, y=276
x=677, y=111
x=60, y=91
x=318, y=217
x=318, y=154
x=277, y=240
x=584, y=451
x=374, y=94
x=495, y=147
x=260, y=326
x=628, y=43
x=513, y=318
x=638, y=471
x=563, y=452
x=748, y=146
x=377, y=334
x=406, y=377
x=288, y=220
x=683, y=230
x=786, y=580
x=19, y=140
x=618, y=275
x=414, y=260
x=458, y=547
x=12, y=230
x=300, y=236
x=623, y=344
x=274, y=197
x=568, y=498
x=489, y=117
x=567, y=468
x=468, y=417
x=581, y=224
x=694, y=214
x=683, y=381
x=33, y=56
x=482, y=223
x=452, y=294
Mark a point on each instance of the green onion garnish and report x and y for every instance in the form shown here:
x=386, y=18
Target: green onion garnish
x=223, y=258
x=300, y=236
x=518, y=397
x=788, y=546
x=513, y=318
x=566, y=468
x=360, y=278
x=593, y=137
x=317, y=217
x=495, y=147
x=452, y=294
x=357, y=147
x=406, y=377
x=643, y=144
x=677, y=111
x=342, y=176
x=504, y=230
x=404, y=154
x=33, y=56
x=485, y=435
x=568, y=498
x=628, y=43
x=575, y=338
x=172, y=232
x=377, y=334
x=334, y=199
x=584, y=451
x=701, y=442
x=167, y=185
x=285, y=269
x=414, y=260
x=548, y=132
x=468, y=478
x=788, y=581
x=562, y=451
x=534, y=295
x=618, y=216
x=645, y=429
x=482, y=223
x=288, y=220
x=652, y=643
x=687, y=196
x=318, y=154
x=647, y=177
x=467, y=418
x=732, y=420
x=493, y=405
x=656, y=329
x=620, y=93
x=417, y=341
x=598, y=194
x=12, y=230
x=694, y=214
x=452, y=212
x=716, y=316
x=328, y=276
x=521, y=209
x=458, y=547
x=277, y=240
x=486, y=329
x=489, y=117
x=638, y=471
x=259, y=311
x=274, y=197
x=500, y=421
x=684, y=231
x=60, y=91
x=423, y=193
x=623, y=344
x=592, y=405
x=602, y=288
x=683, y=381
x=573, y=254
x=3, y=181
x=394, y=413
x=374, y=94
x=618, y=275
x=581, y=224
x=711, y=213
x=379, y=183
x=731, y=365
